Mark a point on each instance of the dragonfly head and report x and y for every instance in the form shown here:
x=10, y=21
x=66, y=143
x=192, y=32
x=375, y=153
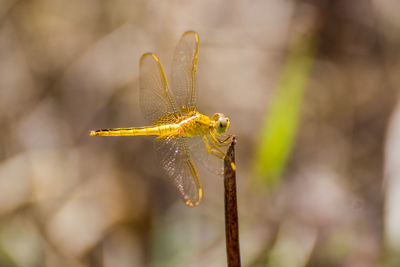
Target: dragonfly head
x=221, y=122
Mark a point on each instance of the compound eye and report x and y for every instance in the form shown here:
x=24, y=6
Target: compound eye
x=222, y=124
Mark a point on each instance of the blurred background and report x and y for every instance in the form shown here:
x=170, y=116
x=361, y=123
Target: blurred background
x=311, y=90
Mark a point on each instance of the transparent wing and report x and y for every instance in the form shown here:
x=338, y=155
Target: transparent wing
x=155, y=98
x=184, y=68
x=202, y=157
x=176, y=159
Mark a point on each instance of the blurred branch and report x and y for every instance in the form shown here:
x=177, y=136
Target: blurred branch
x=231, y=214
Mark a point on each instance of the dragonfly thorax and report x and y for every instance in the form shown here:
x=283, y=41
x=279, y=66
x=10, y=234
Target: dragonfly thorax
x=194, y=124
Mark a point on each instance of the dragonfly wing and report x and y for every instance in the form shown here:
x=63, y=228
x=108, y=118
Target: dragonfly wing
x=156, y=100
x=184, y=68
x=176, y=160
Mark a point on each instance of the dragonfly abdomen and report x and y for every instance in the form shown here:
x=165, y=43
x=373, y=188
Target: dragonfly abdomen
x=167, y=129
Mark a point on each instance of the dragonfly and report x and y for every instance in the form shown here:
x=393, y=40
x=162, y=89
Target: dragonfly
x=170, y=108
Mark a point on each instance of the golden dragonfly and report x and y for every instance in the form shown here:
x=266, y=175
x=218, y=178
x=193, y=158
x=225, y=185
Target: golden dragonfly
x=182, y=132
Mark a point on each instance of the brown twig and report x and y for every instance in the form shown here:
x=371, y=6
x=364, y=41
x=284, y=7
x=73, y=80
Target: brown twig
x=231, y=214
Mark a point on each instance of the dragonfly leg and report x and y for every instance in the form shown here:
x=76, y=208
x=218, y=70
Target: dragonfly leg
x=220, y=154
x=213, y=151
x=228, y=136
x=225, y=142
